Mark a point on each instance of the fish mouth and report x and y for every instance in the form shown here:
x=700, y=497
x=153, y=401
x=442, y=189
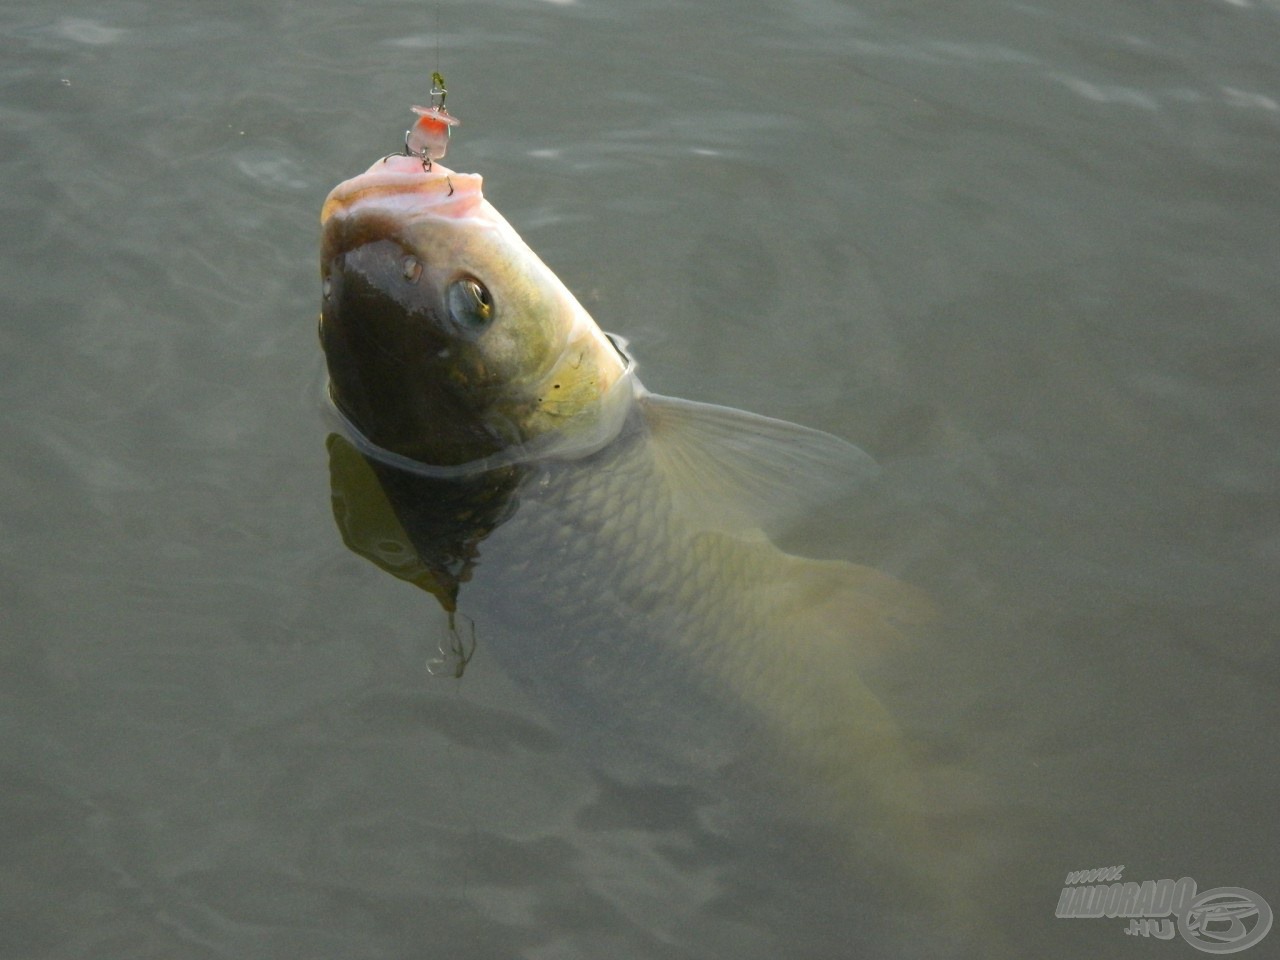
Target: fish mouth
x=401, y=184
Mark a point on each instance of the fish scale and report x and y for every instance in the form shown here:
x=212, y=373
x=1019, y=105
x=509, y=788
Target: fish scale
x=627, y=597
x=668, y=653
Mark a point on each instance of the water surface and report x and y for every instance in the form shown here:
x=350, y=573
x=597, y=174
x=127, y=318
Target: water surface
x=1023, y=254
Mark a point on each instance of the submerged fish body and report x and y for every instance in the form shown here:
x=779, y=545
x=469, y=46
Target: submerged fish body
x=611, y=546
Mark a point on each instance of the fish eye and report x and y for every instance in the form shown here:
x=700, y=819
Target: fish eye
x=470, y=305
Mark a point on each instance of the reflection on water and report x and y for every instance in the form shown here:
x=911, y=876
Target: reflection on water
x=1025, y=255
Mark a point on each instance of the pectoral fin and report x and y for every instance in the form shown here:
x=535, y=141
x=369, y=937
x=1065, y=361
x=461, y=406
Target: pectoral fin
x=736, y=472
x=369, y=524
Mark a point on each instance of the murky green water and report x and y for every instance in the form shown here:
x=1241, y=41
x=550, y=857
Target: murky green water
x=1023, y=254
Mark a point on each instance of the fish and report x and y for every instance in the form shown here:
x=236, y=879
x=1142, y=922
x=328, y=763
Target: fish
x=618, y=549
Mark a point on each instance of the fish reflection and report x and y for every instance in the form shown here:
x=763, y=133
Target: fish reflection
x=613, y=548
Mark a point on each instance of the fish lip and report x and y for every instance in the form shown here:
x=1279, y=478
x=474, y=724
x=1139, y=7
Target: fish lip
x=400, y=182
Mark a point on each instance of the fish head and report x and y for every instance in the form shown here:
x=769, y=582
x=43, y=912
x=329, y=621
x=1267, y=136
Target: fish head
x=448, y=341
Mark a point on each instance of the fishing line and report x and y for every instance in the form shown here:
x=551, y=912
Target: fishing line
x=459, y=648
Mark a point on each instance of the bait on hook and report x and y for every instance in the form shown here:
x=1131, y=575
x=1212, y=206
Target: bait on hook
x=428, y=138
